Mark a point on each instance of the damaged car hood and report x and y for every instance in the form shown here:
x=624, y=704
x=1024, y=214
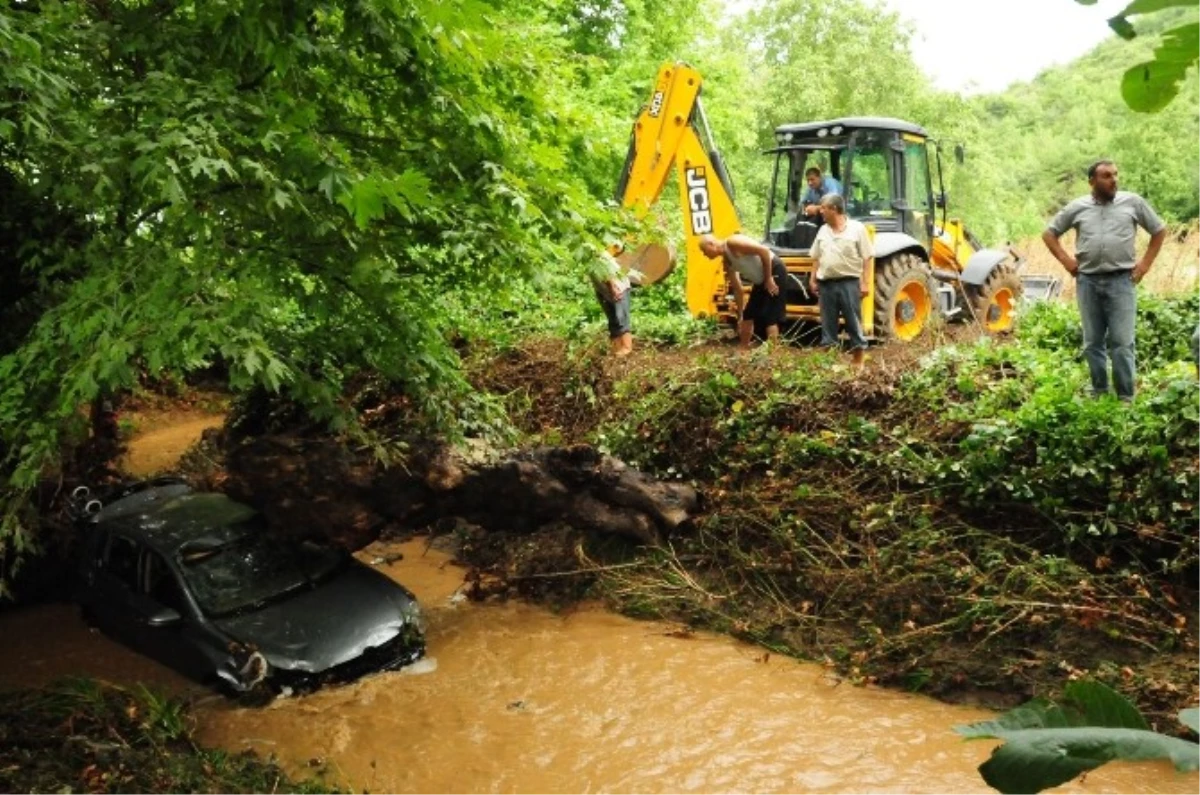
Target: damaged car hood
x=312, y=631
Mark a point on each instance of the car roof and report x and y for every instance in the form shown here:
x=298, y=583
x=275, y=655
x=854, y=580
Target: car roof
x=849, y=123
x=168, y=517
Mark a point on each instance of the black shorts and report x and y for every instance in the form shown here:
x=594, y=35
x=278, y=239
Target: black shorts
x=766, y=309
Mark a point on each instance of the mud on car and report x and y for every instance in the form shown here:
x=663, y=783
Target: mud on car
x=199, y=582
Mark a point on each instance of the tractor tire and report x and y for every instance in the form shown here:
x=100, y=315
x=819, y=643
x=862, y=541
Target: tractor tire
x=905, y=297
x=994, y=303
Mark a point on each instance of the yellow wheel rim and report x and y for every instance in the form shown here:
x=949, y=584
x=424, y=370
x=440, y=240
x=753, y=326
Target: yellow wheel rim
x=1000, y=310
x=911, y=311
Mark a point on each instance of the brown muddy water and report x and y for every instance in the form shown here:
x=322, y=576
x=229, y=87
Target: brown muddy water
x=513, y=698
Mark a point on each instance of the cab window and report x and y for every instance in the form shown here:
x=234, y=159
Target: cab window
x=868, y=193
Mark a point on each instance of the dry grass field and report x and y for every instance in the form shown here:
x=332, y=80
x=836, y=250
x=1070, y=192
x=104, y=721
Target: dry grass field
x=1175, y=271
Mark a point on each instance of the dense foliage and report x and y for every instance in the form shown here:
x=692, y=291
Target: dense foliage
x=281, y=190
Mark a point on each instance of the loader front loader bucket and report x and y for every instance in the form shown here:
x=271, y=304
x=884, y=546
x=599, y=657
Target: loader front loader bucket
x=1041, y=287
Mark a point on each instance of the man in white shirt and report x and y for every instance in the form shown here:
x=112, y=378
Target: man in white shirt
x=843, y=254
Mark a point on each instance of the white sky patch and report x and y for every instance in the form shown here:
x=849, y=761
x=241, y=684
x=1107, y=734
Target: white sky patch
x=984, y=46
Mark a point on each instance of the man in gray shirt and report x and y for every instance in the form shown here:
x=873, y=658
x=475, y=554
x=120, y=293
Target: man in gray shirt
x=1106, y=270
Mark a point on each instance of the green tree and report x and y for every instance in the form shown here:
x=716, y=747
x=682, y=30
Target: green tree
x=282, y=188
x=1151, y=85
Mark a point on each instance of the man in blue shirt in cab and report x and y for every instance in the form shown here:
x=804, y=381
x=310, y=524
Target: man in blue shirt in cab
x=819, y=186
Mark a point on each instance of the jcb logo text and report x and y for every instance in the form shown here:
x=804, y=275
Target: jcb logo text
x=699, y=205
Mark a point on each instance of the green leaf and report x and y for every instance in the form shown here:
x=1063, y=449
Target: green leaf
x=364, y=201
x=1046, y=745
x=275, y=374
x=1149, y=87
x=1150, y=6
x=1100, y=705
x=251, y=361
x=1032, y=760
x=1036, y=714
x=413, y=186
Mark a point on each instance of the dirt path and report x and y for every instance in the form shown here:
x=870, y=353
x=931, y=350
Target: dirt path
x=156, y=451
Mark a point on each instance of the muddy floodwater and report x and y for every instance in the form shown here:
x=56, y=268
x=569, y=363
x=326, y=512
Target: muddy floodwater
x=513, y=698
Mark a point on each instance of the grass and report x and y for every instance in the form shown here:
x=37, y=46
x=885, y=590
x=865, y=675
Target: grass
x=82, y=735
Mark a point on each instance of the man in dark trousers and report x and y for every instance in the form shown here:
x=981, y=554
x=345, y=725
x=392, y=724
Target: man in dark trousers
x=747, y=260
x=843, y=253
x=1106, y=269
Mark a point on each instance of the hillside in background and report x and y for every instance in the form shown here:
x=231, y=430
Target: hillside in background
x=1034, y=142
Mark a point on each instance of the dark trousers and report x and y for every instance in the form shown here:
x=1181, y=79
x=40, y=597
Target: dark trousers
x=840, y=298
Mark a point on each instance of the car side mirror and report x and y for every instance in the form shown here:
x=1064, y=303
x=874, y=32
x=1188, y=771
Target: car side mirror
x=164, y=617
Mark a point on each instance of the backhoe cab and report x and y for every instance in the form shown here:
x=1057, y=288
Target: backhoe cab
x=925, y=264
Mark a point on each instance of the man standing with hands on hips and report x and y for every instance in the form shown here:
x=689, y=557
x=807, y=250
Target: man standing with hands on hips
x=1106, y=271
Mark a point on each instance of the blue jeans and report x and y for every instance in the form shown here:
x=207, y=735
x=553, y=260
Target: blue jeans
x=841, y=298
x=616, y=312
x=1108, y=308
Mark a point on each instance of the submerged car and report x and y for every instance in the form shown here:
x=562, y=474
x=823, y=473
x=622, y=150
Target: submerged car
x=197, y=581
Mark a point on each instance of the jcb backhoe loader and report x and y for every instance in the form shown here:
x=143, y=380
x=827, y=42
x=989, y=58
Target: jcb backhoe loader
x=924, y=265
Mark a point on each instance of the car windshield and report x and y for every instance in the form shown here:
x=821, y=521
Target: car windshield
x=248, y=568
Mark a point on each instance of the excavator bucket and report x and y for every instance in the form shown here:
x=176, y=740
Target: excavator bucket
x=650, y=262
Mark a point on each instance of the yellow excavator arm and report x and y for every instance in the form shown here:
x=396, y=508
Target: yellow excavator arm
x=666, y=134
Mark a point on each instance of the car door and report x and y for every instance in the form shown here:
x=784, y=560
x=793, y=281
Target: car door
x=110, y=587
x=168, y=625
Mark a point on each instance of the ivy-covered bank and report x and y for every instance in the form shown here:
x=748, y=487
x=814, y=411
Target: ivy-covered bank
x=962, y=520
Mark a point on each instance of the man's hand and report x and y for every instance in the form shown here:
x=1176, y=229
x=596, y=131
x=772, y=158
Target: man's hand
x=1139, y=271
x=813, y=287
x=772, y=287
x=863, y=288
x=811, y=209
x=1072, y=266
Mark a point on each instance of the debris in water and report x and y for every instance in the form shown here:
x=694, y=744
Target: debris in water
x=425, y=665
